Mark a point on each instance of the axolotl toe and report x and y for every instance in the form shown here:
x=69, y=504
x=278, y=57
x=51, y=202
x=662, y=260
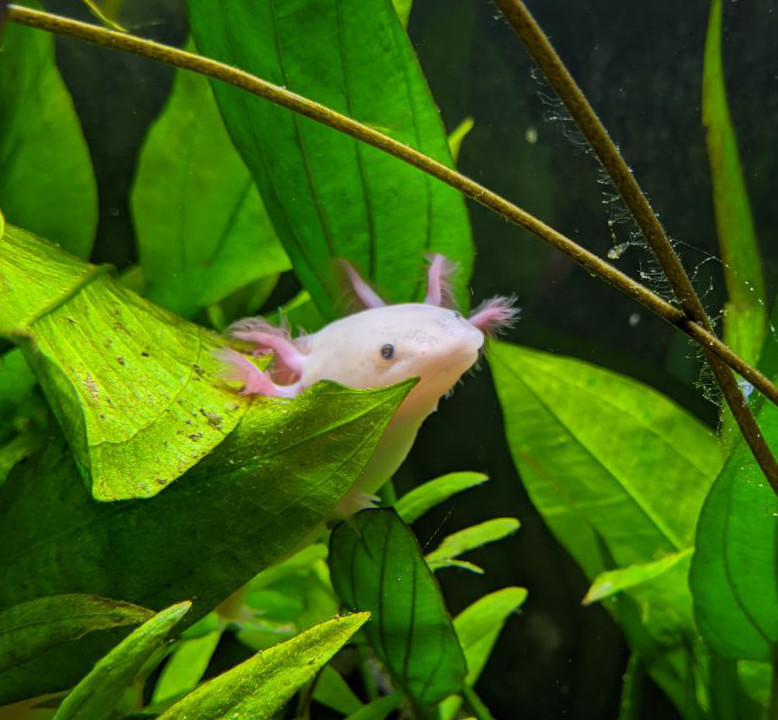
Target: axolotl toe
x=379, y=346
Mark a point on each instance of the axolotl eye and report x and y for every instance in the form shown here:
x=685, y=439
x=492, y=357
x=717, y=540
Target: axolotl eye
x=387, y=351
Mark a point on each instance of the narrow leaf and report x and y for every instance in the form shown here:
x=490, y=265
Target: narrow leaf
x=411, y=506
x=614, y=581
x=479, y=625
x=457, y=136
x=378, y=709
x=328, y=195
x=334, y=692
x=46, y=179
x=376, y=565
x=31, y=629
x=744, y=314
x=185, y=667
x=735, y=603
x=471, y=538
x=196, y=245
x=262, y=685
x=95, y=697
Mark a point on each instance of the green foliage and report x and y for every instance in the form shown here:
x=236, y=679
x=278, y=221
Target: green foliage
x=459, y=543
x=95, y=697
x=46, y=187
x=203, y=232
x=411, y=506
x=736, y=610
x=327, y=195
x=261, y=686
x=377, y=565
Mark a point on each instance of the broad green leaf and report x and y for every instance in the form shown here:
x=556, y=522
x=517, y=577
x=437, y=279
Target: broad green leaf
x=95, y=697
x=604, y=458
x=376, y=565
x=614, y=581
x=134, y=387
x=262, y=685
x=16, y=384
x=619, y=474
x=328, y=195
x=459, y=543
x=744, y=313
x=411, y=506
x=264, y=491
x=185, y=667
x=378, y=709
x=300, y=561
x=202, y=230
x=735, y=562
x=24, y=445
x=31, y=631
x=334, y=692
x=46, y=178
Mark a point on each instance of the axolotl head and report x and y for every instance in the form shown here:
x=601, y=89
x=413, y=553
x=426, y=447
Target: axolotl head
x=379, y=346
x=385, y=345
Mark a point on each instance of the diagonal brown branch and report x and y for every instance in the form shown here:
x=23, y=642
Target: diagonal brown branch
x=696, y=328
x=537, y=44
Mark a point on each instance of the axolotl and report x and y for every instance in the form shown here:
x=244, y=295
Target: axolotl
x=378, y=346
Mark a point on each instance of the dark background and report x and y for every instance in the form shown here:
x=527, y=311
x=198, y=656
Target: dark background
x=640, y=64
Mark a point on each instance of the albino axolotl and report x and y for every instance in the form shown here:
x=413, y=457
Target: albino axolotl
x=379, y=346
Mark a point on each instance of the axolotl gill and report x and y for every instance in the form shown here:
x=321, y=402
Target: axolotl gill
x=378, y=346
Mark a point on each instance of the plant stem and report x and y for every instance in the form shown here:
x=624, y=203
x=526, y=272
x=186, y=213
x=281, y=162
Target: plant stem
x=693, y=323
x=480, y=711
x=537, y=44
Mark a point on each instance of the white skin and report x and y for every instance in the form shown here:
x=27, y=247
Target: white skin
x=379, y=346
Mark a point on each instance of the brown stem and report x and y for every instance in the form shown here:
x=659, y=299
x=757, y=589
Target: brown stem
x=537, y=44
x=700, y=332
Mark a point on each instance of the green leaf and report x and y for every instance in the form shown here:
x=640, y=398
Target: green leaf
x=328, y=195
x=134, y=387
x=588, y=444
x=614, y=581
x=32, y=630
x=202, y=230
x=479, y=625
x=735, y=562
x=95, y=697
x=261, y=686
x=16, y=384
x=185, y=667
x=458, y=135
x=619, y=474
x=46, y=178
x=403, y=9
x=334, y=692
x=94, y=8
x=459, y=543
x=744, y=313
x=376, y=565
x=378, y=709
x=24, y=445
x=264, y=491
x=411, y=506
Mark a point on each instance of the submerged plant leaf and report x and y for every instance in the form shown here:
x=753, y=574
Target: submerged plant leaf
x=378, y=709
x=376, y=565
x=46, y=179
x=31, y=630
x=735, y=562
x=95, y=697
x=264, y=490
x=744, y=313
x=328, y=195
x=334, y=692
x=202, y=230
x=614, y=581
x=411, y=506
x=458, y=543
x=261, y=686
x=134, y=387
x=619, y=473
x=185, y=667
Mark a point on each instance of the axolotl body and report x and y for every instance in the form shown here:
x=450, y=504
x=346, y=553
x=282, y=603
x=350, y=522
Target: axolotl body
x=378, y=346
